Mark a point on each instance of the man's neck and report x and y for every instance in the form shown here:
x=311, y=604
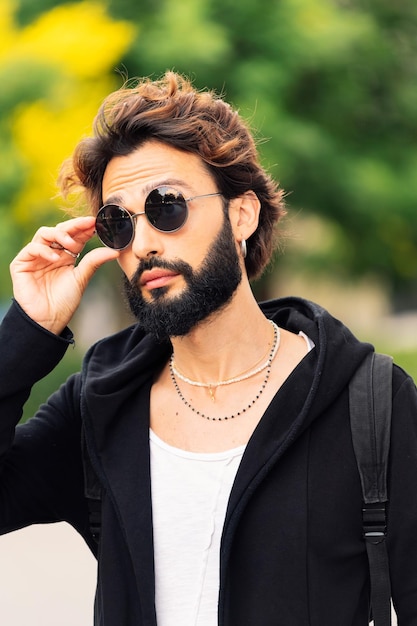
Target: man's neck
x=227, y=342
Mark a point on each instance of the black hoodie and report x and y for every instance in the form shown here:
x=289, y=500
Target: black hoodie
x=292, y=552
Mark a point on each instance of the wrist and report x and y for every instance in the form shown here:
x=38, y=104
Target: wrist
x=54, y=329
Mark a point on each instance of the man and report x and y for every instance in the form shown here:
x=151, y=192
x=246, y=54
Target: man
x=217, y=429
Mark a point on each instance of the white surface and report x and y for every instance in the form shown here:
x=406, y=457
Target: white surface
x=47, y=578
x=190, y=491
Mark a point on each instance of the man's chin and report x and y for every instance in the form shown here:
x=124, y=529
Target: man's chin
x=158, y=293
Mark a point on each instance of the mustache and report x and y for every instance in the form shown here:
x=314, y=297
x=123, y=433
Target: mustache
x=177, y=266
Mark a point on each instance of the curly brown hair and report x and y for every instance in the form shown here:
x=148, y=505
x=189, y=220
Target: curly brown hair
x=172, y=111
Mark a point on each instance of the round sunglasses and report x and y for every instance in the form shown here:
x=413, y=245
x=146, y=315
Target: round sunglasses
x=165, y=209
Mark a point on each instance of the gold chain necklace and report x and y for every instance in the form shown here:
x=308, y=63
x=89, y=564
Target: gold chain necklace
x=230, y=381
x=212, y=386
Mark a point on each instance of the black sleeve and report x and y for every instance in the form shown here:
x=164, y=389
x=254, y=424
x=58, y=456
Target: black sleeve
x=41, y=476
x=28, y=353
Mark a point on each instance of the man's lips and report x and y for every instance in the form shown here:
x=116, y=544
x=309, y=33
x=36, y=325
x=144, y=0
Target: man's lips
x=158, y=277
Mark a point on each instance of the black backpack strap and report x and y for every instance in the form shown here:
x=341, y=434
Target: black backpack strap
x=370, y=399
x=92, y=491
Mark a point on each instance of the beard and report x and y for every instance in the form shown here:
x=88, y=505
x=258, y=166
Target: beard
x=207, y=290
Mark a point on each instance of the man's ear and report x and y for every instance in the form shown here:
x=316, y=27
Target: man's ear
x=244, y=214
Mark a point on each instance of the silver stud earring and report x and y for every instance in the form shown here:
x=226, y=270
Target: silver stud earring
x=243, y=248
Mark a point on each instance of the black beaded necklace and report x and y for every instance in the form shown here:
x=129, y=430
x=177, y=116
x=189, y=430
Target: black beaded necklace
x=273, y=352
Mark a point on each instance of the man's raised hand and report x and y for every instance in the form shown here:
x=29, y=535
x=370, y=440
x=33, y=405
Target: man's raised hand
x=47, y=282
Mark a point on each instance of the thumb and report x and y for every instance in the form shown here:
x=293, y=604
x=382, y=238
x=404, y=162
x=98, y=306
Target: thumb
x=90, y=263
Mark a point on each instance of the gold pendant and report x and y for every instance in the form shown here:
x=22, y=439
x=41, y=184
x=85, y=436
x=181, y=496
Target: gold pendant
x=212, y=391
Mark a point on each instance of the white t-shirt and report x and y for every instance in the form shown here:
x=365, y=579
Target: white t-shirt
x=190, y=492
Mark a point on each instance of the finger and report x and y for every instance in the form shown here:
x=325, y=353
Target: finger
x=57, y=246
x=78, y=226
x=80, y=229
x=31, y=260
x=69, y=236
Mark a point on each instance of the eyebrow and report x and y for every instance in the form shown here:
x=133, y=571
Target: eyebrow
x=170, y=182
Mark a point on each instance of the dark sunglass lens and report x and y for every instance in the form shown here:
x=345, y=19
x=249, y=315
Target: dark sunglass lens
x=114, y=226
x=166, y=209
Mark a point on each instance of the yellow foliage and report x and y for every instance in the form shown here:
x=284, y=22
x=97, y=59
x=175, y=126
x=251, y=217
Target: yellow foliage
x=80, y=38
x=46, y=136
x=7, y=31
x=82, y=45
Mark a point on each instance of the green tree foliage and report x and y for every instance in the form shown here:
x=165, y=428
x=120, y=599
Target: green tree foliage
x=333, y=87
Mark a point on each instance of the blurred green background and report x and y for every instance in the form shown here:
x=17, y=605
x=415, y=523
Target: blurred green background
x=330, y=89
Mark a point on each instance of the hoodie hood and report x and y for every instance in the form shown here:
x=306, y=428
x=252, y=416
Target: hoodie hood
x=338, y=352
